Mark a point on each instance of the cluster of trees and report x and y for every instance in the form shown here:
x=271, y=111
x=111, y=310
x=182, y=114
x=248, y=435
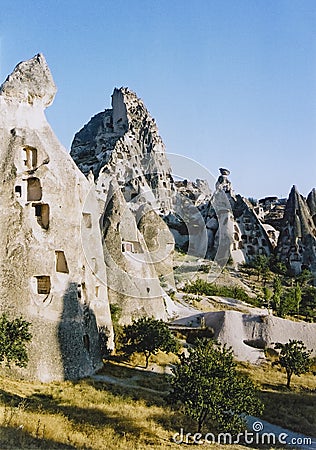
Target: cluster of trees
x=286, y=294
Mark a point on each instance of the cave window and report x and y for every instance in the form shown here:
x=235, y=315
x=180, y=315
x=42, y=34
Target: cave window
x=18, y=191
x=61, y=262
x=87, y=220
x=30, y=157
x=43, y=284
x=42, y=214
x=97, y=289
x=34, y=189
x=251, y=250
x=127, y=247
x=86, y=342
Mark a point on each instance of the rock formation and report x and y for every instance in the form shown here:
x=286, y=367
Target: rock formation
x=311, y=202
x=45, y=275
x=121, y=147
x=297, y=240
x=123, y=143
x=249, y=334
x=232, y=225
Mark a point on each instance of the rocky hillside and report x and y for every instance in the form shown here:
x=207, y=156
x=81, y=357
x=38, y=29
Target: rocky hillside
x=121, y=147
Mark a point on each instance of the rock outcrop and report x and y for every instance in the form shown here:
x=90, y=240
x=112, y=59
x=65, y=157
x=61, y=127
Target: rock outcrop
x=250, y=334
x=121, y=147
x=297, y=240
x=45, y=275
x=123, y=143
x=232, y=225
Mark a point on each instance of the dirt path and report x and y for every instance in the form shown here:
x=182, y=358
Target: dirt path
x=273, y=434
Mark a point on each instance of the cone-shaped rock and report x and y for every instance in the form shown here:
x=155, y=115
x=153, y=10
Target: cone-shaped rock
x=47, y=209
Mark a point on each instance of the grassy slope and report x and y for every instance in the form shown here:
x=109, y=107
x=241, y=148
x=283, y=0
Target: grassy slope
x=87, y=415
x=96, y=415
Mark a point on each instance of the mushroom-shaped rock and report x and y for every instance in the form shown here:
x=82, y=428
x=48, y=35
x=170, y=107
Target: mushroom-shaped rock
x=30, y=82
x=224, y=172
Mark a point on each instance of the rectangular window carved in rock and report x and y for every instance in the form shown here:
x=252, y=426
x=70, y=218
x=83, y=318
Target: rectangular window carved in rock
x=18, y=191
x=61, y=262
x=30, y=157
x=34, y=189
x=87, y=220
x=43, y=284
x=42, y=214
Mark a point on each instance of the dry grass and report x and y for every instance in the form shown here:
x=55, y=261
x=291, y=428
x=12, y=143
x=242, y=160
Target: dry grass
x=96, y=415
x=85, y=415
x=294, y=408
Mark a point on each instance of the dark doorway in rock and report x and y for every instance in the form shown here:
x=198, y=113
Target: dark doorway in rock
x=42, y=214
x=34, y=189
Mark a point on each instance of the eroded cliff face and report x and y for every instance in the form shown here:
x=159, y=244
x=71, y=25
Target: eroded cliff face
x=45, y=274
x=297, y=240
x=121, y=147
x=123, y=143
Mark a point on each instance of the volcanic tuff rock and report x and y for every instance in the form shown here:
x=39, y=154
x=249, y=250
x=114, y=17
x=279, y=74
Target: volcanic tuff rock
x=311, y=202
x=123, y=143
x=45, y=275
x=122, y=148
x=232, y=226
x=297, y=240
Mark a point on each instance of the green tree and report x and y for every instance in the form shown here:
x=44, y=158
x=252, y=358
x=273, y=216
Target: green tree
x=304, y=278
x=147, y=335
x=116, y=312
x=294, y=357
x=261, y=265
x=267, y=295
x=209, y=387
x=308, y=304
x=297, y=294
x=277, y=292
x=14, y=335
x=287, y=304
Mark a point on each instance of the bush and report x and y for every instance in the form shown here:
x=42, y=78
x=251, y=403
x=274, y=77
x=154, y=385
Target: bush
x=14, y=335
x=201, y=287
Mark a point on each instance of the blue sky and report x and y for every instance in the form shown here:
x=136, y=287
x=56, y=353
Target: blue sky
x=231, y=83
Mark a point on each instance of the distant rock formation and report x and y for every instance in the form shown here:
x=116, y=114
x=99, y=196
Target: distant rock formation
x=123, y=143
x=297, y=241
x=233, y=227
x=122, y=148
x=45, y=275
x=311, y=202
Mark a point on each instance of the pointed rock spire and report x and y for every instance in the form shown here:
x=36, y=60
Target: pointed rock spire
x=30, y=82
